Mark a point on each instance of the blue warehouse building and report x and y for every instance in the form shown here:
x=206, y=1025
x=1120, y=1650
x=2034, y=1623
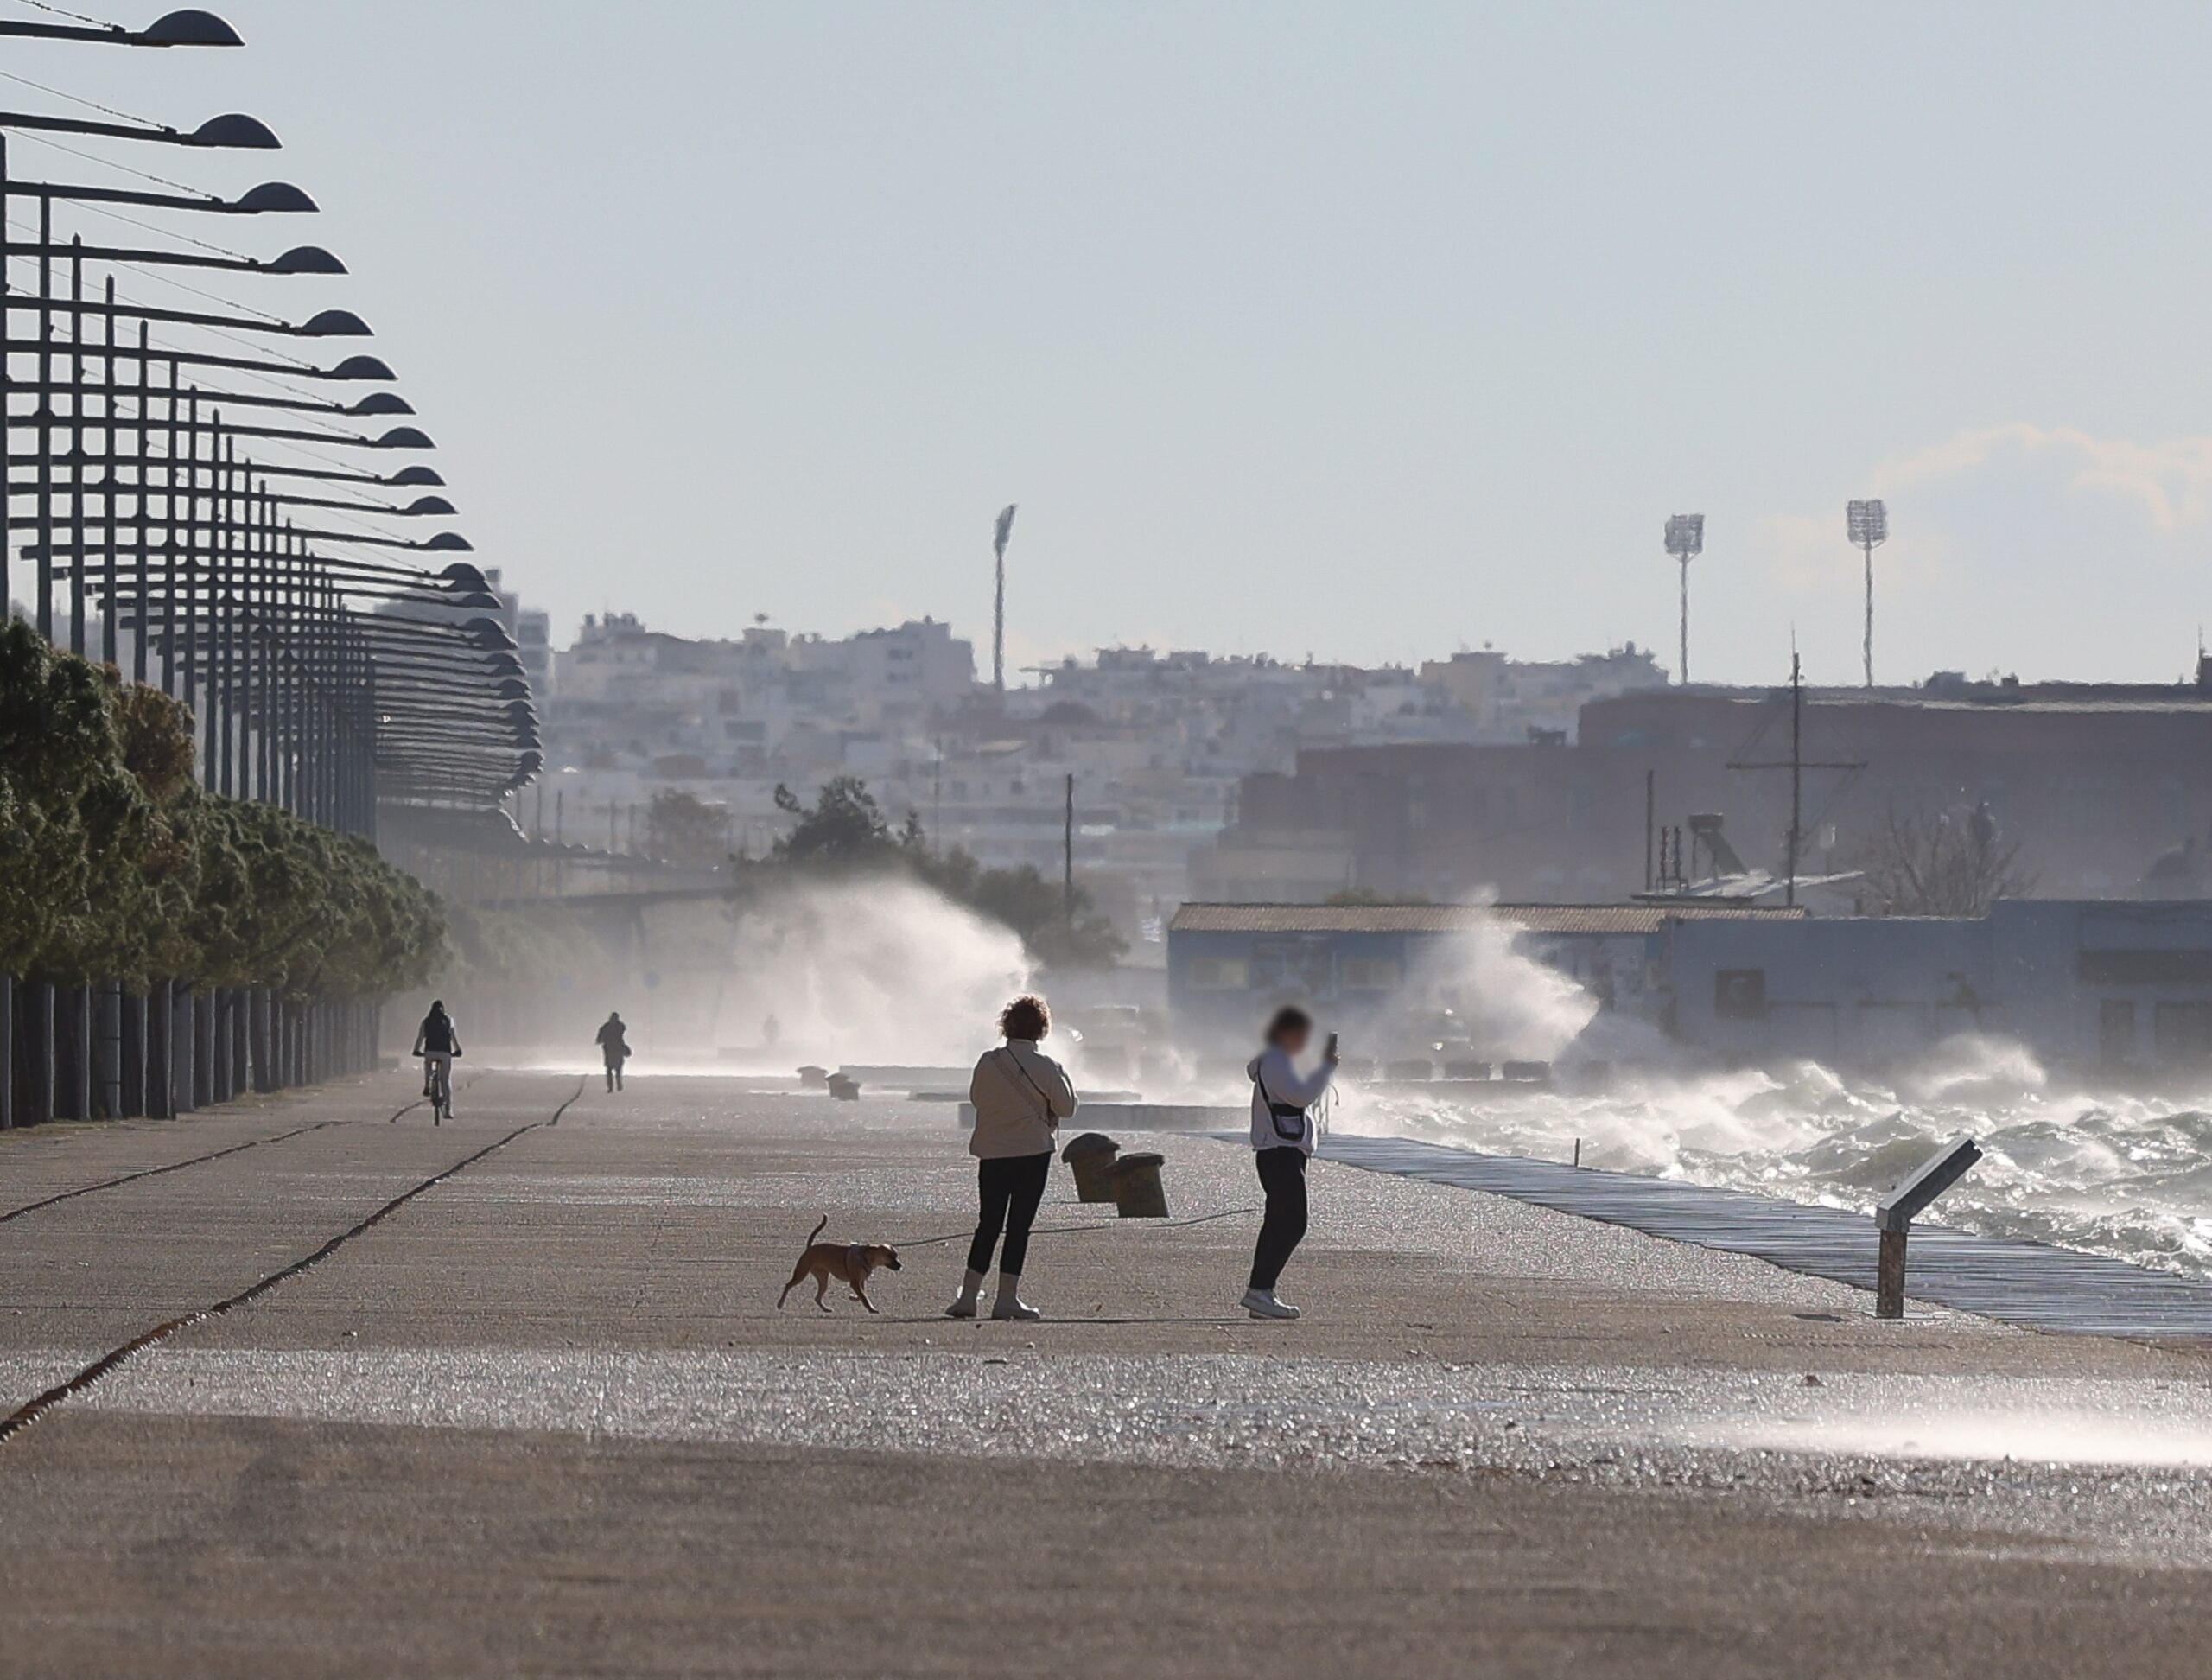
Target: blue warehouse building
x=1404, y=970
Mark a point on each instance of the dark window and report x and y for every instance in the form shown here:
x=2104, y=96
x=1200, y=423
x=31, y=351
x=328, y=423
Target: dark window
x=2116, y=1030
x=2177, y=965
x=2181, y=1032
x=1740, y=994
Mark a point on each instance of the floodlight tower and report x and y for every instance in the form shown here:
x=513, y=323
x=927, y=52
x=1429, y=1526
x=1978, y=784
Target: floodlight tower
x=1868, y=524
x=1686, y=541
x=1000, y=533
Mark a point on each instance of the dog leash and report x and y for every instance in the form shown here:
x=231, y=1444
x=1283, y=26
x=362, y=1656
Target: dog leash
x=1070, y=1231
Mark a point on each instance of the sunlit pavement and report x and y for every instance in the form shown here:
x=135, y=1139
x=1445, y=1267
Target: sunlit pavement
x=543, y=1415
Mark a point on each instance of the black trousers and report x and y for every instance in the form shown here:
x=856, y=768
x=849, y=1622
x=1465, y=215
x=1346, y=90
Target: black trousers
x=614, y=1076
x=1282, y=1175
x=1009, y=1189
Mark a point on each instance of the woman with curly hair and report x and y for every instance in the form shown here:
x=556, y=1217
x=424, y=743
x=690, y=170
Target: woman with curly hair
x=1020, y=1095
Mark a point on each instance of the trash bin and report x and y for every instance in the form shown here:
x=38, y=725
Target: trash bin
x=1090, y=1158
x=1138, y=1192
x=844, y=1090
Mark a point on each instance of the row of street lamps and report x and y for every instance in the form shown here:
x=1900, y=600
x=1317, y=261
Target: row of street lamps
x=333, y=659
x=226, y=505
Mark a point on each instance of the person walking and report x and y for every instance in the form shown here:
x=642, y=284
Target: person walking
x=1283, y=1132
x=614, y=1048
x=1020, y=1095
x=437, y=1041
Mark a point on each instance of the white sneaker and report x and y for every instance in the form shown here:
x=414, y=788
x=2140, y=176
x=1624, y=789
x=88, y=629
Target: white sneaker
x=963, y=1308
x=1013, y=1306
x=1262, y=1303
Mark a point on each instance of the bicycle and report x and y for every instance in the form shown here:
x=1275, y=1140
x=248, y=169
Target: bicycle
x=437, y=1071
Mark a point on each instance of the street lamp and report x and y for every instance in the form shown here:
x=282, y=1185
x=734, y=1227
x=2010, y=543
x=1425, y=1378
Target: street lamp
x=191, y=27
x=1685, y=542
x=1867, y=523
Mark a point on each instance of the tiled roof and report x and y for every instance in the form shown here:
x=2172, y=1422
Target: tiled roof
x=1457, y=918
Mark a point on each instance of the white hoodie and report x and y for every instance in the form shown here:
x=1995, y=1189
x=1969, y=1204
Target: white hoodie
x=1276, y=1081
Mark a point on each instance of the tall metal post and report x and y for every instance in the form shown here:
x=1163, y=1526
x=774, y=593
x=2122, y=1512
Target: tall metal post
x=1685, y=542
x=1867, y=524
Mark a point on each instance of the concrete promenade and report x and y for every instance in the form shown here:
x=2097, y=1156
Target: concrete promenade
x=540, y=1416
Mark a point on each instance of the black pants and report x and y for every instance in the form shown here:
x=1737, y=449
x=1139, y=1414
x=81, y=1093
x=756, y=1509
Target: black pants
x=614, y=1076
x=1282, y=1175
x=1010, y=1189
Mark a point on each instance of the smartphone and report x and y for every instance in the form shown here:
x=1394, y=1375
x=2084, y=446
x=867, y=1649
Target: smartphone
x=1333, y=1046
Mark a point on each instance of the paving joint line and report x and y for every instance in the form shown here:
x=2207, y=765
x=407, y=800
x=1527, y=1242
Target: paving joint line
x=37, y=1407
x=156, y=1172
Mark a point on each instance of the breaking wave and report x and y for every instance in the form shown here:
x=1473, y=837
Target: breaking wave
x=2118, y=1174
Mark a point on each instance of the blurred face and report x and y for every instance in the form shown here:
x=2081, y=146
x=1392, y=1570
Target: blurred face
x=1295, y=1040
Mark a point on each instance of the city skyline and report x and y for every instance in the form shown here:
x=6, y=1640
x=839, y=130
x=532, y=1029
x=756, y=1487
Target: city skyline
x=1279, y=321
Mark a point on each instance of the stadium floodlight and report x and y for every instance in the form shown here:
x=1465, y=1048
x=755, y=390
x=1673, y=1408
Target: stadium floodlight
x=1685, y=542
x=1867, y=523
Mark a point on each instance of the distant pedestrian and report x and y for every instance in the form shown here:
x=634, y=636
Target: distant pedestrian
x=1283, y=1137
x=771, y=1030
x=1020, y=1095
x=614, y=1048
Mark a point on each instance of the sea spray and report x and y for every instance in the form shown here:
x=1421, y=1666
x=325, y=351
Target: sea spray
x=2125, y=1174
x=876, y=970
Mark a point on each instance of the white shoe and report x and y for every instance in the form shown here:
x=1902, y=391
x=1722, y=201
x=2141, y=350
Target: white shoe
x=964, y=1308
x=1262, y=1303
x=1013, y=1306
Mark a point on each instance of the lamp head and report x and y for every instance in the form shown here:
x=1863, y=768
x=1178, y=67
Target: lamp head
x=381, y=401
x=428, y=505
x=453, y=541
x=234, y=132
x=274, y=198
x=363, y=367
x=189, y=28
x=334, y=323
x=411, y=476
x=404, y=437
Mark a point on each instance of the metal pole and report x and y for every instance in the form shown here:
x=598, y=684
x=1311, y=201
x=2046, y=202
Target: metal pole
x=1650, y=814
x=77, y=593
x=1889, y=1277
x=44, y=608
x=7, y=394
x=1067, y=856
x=108, y=649
x=1797, y=770
x=1870, y=615
x=1686, y=621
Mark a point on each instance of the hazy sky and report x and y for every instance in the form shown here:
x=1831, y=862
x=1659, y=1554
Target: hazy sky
x=1367, y=330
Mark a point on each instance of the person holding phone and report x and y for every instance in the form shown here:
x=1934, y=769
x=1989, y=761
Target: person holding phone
x=1283, y=1134
x=1020, y=1095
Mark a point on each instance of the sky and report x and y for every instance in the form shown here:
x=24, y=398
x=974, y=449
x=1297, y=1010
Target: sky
x=1364, y=331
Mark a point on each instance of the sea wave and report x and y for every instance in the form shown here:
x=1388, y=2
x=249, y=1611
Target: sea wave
x=2123, y=1174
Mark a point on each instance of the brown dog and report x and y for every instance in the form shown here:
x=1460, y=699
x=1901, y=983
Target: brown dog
x=849, y=1262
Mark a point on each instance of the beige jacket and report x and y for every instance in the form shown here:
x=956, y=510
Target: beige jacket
x=1020, y=1095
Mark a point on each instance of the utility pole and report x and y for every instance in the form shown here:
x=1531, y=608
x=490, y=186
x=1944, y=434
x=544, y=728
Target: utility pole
x=1796, y=764
x=1067, y=855
x=1650, y=815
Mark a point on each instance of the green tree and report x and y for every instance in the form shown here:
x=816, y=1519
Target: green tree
x=845, y=833
x=680, y=828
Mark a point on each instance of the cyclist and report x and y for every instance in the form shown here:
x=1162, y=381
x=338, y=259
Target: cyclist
x=437, y=1043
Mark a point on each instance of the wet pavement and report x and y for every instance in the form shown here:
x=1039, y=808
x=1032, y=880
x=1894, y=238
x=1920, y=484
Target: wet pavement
x=524, y=1352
